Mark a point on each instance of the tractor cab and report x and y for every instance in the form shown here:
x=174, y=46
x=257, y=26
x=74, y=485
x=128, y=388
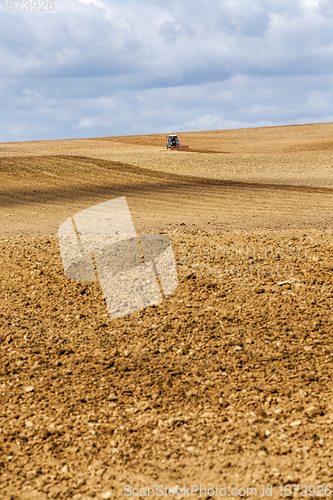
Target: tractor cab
x=172, y=141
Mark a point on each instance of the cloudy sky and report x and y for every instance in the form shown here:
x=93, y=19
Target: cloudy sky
x=91, y=68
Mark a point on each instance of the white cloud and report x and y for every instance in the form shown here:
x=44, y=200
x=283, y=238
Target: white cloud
x=105, y=67
x=310, y=4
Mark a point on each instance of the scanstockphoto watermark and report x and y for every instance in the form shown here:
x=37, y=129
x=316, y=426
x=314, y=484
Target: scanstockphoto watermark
x=193, y=490
x=288, y=490
x=239, y=261
x=135, y=271
x=27, y=5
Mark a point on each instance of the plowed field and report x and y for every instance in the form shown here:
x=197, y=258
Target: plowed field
x=225, y=384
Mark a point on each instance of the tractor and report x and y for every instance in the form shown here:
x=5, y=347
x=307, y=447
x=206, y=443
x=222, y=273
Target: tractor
x=173, y=143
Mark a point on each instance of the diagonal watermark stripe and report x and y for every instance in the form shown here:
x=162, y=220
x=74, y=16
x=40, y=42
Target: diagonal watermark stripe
x=106, y=231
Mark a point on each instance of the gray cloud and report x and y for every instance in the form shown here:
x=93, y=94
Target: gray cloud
x=107, y=68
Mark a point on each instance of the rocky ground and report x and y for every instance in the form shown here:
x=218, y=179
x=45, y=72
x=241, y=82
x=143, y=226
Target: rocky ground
x=227, y=382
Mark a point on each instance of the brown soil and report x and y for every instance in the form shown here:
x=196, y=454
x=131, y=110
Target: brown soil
x=226, y=383
x=285, y=139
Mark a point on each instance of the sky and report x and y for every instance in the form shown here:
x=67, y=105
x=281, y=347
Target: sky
x=93, y=68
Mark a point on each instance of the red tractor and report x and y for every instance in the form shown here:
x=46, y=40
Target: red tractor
x=173, y=143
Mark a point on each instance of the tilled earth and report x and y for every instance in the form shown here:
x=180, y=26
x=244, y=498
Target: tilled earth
x=227, y=382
